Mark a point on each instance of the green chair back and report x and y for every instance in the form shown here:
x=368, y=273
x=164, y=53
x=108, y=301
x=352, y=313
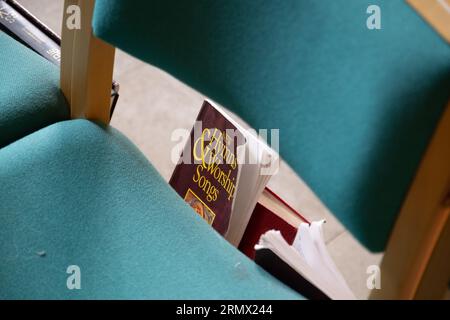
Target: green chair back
x=356, y=107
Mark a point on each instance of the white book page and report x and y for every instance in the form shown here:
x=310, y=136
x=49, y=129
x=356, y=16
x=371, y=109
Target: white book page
x=316, y=229
x=240, y=215
x=250, y=186
x=253, y=177
x=310, y=242
x=274, y=241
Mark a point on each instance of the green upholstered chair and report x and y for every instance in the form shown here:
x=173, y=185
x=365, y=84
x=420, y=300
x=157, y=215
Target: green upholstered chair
x=356, y=108
x=79, y=193
x=76, y=193
x=30, y=98
x=357, y=111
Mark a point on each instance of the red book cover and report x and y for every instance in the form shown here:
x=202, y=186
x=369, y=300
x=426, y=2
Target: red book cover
x=207, y=173
x=263, y=220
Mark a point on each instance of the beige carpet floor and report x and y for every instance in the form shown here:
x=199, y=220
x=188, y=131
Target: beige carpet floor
x=152, y=104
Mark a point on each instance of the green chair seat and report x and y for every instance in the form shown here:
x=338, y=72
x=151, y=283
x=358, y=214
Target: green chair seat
x=355, y=107
x=30, y=98
x=76, y=193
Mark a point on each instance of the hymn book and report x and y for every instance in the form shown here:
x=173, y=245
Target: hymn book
x=222, y=174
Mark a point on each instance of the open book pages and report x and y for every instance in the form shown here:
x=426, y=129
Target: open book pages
x=257, y=163
x=269, y=200
x=223, y=170
x=309, y=260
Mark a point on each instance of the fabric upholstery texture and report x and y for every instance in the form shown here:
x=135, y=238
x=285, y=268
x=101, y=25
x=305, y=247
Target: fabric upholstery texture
x=75, y=193
x=30, y=98
x=355, y=107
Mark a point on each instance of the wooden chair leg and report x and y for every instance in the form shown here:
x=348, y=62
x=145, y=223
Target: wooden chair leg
x=436, y=13
x=436, y=277
x=89, y=67
x=417, y=258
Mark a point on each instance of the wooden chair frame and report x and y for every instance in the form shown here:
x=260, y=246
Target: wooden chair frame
x=416, y=263
x=417, y=259
x=86, y=67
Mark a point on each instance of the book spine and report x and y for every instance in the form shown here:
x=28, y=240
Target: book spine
x=35, y=21
x=28, y=33
x=20, y=24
